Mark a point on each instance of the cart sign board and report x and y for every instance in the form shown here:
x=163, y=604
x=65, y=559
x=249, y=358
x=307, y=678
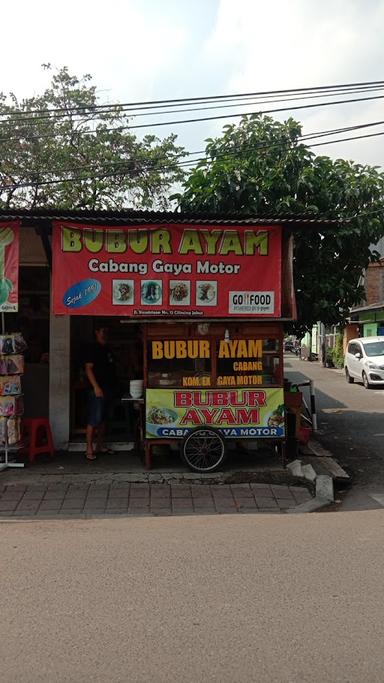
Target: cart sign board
x=179, y=271
x=9, y=266
x=236, y=413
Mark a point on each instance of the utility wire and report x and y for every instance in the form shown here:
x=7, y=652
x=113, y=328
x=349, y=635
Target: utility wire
x=101, y=129
x=177, y=101
x=265, y=111
x=238, y=149
x=23, y=117
x=103, y=176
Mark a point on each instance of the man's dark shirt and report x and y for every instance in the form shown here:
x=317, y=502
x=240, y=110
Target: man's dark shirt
x=104, y=367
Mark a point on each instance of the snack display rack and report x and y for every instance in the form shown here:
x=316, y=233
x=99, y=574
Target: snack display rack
x=12, y=347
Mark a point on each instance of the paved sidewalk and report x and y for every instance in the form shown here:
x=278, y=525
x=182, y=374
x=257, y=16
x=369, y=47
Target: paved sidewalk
x=122, y=498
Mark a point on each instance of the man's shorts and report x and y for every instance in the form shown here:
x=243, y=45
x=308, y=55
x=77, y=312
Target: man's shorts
x=97, y=409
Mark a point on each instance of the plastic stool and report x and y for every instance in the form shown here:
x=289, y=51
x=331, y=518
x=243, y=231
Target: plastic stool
x=39, y=437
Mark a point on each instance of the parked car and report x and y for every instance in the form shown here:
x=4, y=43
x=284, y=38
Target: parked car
x=364, y=361
x=289, y=346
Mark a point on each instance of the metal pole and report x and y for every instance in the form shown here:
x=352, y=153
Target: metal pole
x=313, y=405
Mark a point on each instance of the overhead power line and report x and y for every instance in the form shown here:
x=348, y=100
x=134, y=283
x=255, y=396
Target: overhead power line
x=98, y=111
x=178, y=101
x=103, y=176
x=118, y=128
x=264, y=111
x=233, y=151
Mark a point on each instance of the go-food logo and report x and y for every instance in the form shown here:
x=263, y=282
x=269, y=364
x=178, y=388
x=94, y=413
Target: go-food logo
x=251, y=302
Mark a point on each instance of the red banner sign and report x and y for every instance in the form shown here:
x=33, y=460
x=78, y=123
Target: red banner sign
x=9, y=266
x=177, y=271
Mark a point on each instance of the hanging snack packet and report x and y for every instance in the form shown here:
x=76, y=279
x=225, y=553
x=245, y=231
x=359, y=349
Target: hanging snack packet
x=11, y=406
x=19, y=342
x=10, y=386
x=3, y=429
x=14, y=365
x=7, y=344
x=14, y=430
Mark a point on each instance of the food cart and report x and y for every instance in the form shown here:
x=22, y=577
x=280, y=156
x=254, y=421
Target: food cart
x=207, y=383
x=211, y=297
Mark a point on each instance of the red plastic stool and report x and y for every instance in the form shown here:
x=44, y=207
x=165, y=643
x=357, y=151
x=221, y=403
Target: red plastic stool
x=38, y=432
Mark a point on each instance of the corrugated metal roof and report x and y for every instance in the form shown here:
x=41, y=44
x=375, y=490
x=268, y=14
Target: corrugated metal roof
x=131, y=217
x=370, y=307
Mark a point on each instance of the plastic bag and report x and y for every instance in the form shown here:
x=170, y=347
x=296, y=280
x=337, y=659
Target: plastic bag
x=11, y=406
x=10, y=386
x=12, y=365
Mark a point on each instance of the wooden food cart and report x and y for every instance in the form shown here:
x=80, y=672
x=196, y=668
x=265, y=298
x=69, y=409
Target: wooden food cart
x=207, y=383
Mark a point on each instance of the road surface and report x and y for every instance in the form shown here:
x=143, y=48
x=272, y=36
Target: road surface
x=351, y=426
x=266, y=598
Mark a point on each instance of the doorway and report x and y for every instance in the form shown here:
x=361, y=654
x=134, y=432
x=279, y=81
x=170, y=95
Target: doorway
x=125, y=341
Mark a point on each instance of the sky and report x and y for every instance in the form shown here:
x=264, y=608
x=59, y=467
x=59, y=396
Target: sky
x=161, y=49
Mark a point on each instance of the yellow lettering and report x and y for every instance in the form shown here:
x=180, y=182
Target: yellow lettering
x=161, y=242
x=241, y=366
x=224, y=349
x=255, y=348
x=190, y=241
x=227, y=381
x=193, y=348
x=116, y=241
x=204, y=348
x=169, y=349
x=232, y=343
x=181, y=349
x=244, y=380
x=211, y=237
x=93, y=240
x=191, y=382
x=230, y=243
x=70, y=239
x=256, y=242
x=138, y=241
x=242, y=349
x=157, y=350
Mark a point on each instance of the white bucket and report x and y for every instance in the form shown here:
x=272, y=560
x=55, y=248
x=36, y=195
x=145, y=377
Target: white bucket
x=136, y=388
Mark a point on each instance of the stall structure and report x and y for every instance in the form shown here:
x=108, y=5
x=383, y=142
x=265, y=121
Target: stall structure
x=208, y=297
x=210, y=300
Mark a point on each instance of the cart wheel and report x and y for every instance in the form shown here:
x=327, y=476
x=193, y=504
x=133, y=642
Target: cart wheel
x=203, y=450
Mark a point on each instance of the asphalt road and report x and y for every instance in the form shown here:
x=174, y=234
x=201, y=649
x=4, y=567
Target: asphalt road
x=266, y=598
x=351, y=420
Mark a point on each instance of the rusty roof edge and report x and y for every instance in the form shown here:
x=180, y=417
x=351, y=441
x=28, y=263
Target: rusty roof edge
x=134, y=217
x=367, y=307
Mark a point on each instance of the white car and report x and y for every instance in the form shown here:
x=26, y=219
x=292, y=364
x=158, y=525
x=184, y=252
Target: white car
x=364, y=361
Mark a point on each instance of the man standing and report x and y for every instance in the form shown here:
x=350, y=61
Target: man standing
x=101, y=374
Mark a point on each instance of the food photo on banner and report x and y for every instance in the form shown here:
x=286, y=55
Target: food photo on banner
x=9, y=266
x=178, y=271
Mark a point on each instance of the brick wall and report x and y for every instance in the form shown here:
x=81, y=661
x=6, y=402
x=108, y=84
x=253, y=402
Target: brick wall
x=374, y=283
x=351, y=331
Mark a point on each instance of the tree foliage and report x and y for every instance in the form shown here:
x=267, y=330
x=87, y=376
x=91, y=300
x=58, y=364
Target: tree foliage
x=45, y=142
x=261, y=167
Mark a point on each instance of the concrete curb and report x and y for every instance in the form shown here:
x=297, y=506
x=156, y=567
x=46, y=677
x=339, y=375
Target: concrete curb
x=313, y=505
x=278, y=475
x=323, y=487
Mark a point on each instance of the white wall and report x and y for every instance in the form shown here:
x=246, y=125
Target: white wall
x=59, y=379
